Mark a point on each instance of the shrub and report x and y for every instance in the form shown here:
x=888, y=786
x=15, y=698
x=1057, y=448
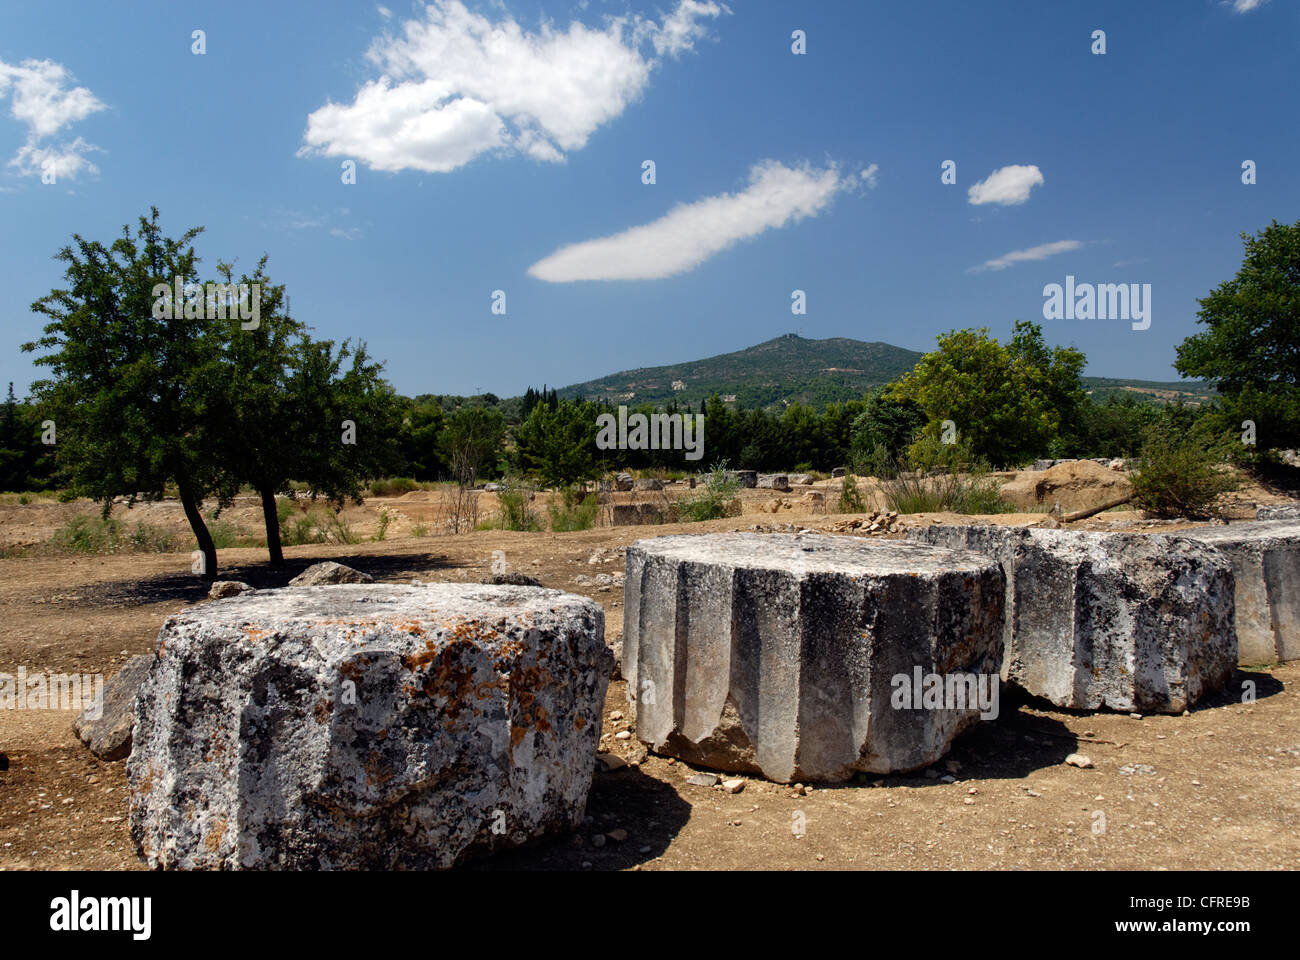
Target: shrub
x=392, y=487
x=1180, y=475
x=576, y=512
x=851, y=500
x=516, y=511
x=385, y=518
x=716, y=500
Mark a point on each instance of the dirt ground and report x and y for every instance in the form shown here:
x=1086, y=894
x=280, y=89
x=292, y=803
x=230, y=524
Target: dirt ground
x=1219, y=788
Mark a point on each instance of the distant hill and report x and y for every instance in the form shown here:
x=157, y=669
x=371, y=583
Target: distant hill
x=792, y=369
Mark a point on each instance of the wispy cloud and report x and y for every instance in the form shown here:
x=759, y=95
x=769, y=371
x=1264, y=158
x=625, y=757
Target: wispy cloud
x=691, y=233
x=455, y=85
x=1007, y=186
x=42, y=100
x=869, y=175
x=1033, y=253
x=1245, y=6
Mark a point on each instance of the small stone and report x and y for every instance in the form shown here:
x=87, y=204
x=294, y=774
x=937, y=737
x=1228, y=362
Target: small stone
x=947, y=778
x=623, y=735
x=1032, y=793
x=1089, y=733
x=968, y=800
x=703, y=780
x=328, y=573
x=1135, y=716
x=611, y=761
x=1078, y=760
x=617, y=835
x=616, y=715
x=645, y=849
x=227, y=588
x=932, y=774
x=1187, y=713
x=799, y=789
x=598, y=840
x=733, y=786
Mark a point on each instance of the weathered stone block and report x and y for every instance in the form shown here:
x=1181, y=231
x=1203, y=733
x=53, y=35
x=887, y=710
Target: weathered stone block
x=108, y=734
x=778, y=654
x=1129, y=621
x=366, y=727
x=774, y=481
x=1279, y=511
x=1266, y=567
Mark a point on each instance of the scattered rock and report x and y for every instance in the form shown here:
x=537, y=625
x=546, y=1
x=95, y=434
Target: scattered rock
x=733, y=786
x=702, y=780
x=105, y=728
x=618, y=835
x=1141, y=769
x=513, y=579
x=227, y=588
x=611, y=761
x=598, y=840
x=1078, y=760
x=329, y=572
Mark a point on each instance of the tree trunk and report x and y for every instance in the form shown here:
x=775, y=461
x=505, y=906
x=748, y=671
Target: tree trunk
x=272, y=521
x=190, y=504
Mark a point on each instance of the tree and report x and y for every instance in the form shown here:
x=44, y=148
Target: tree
x=287, y=406
x=884, y=429
x=1008, y=403
x=470, y=441
x=558, y=445
x=131, y=392
x=1252, y=344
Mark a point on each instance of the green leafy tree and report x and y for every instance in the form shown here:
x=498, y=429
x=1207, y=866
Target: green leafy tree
x=1251, y=346
x=558, y=446
x=1008, y=402
x=131, y=394
x=885, y=428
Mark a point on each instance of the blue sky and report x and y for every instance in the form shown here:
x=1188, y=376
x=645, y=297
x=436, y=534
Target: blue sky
x=499, y=146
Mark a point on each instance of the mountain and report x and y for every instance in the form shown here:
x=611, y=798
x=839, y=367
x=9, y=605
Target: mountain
x=792, y=369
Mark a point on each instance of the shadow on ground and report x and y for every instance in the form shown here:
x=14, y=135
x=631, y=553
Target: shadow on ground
x=187, y=588
x=649, y=810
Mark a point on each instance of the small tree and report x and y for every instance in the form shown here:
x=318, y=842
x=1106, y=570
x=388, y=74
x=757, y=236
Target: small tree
x=470, y=441
x=1251, y=346
x=1008, y=402
x=559, y=446
x=1181, y=474
x=131, y=392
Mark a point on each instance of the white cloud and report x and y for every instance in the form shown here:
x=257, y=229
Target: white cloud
x=384, y=11
x=455, y=85
x=1007, y=186
x=691, y=233
x=1033, y=253
x=40, y=100
x=1245, y=6
x=869, y=175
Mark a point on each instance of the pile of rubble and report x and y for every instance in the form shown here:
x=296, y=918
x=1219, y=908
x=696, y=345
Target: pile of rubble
x=876, y=522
